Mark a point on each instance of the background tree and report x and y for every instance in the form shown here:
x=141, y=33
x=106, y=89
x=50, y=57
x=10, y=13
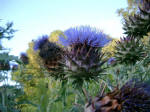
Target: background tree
x=131, y=9
x=8, y=93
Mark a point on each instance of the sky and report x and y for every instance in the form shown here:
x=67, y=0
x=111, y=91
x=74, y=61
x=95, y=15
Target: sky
x=34, y=18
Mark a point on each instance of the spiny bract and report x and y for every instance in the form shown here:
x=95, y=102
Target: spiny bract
x=139, y=24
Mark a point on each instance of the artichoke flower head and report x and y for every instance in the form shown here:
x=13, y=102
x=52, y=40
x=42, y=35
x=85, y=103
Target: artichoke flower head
x=84, y=58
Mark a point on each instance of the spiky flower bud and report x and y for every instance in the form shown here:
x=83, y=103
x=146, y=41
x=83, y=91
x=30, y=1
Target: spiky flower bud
x=128, y=50
x=131, y=97
x=139, y=24
x=24, y=58
x=14, y=67
x=84, y=56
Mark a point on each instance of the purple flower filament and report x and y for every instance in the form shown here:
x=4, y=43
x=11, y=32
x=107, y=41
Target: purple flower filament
x=82, y=34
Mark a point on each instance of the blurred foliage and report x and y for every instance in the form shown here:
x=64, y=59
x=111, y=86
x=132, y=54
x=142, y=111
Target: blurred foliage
x=55, y=37
x=9, y=95
x=109, y=49
x=6, y=32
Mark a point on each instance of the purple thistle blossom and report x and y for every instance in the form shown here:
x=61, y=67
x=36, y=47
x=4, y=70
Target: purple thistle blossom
x=23, y=54
x=40, y=42
x=24, y=58
x=14, y=66
x=83, y=34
